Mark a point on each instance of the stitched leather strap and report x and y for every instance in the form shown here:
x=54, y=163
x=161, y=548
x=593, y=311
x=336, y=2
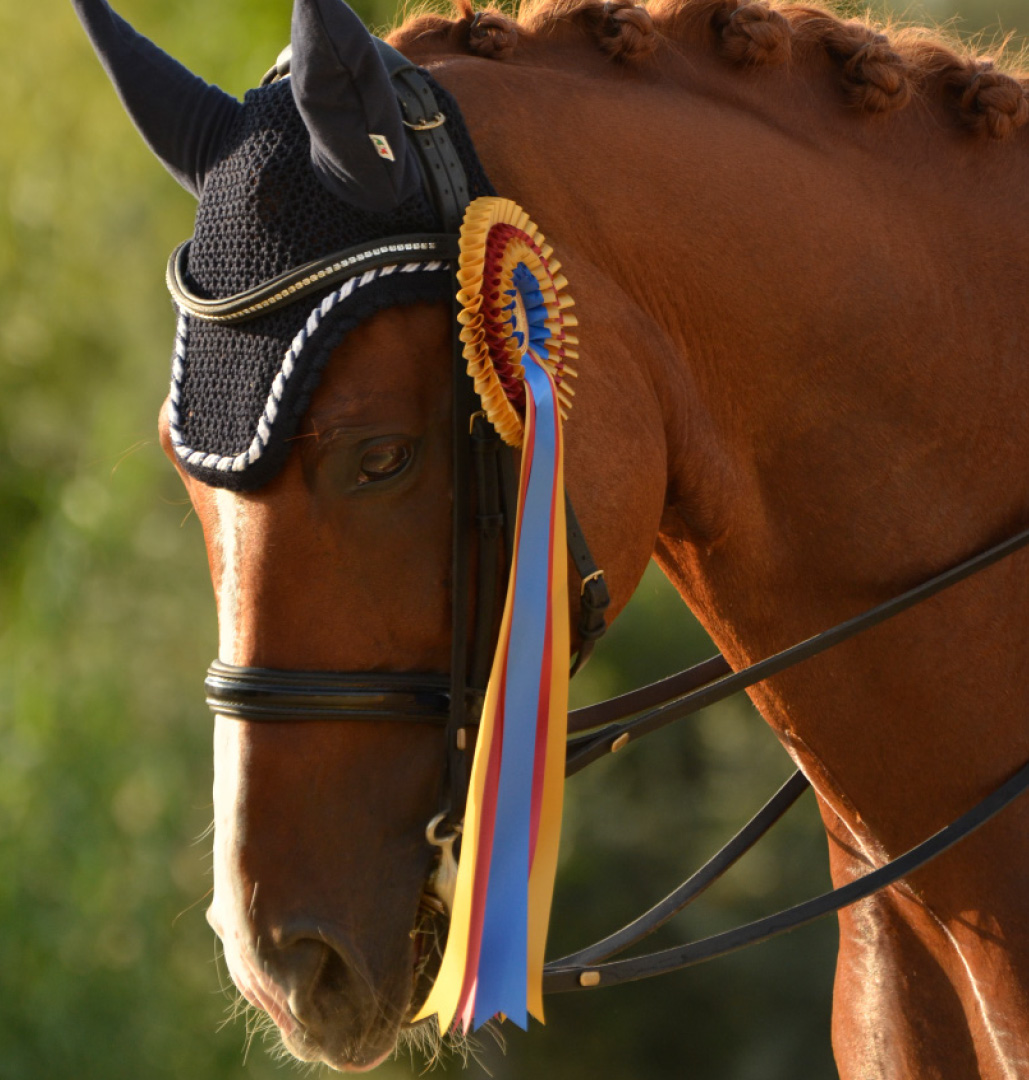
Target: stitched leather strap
x=586, y=748
x=563, y=975
x=443, y=172
x=249, y=693
x=445, y=179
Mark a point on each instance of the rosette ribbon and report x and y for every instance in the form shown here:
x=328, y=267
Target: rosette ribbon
x=515, y=331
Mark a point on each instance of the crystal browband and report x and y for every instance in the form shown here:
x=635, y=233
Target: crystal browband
x=289, y=287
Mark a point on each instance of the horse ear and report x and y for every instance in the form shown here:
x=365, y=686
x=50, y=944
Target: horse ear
x=182, y=119
x=340, y=85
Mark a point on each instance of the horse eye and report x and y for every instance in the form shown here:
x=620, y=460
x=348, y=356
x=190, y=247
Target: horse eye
x=383, y=461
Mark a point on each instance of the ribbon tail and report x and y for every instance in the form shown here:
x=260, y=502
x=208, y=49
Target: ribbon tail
x=544, y=867
x=455, y=988
x=493, y=962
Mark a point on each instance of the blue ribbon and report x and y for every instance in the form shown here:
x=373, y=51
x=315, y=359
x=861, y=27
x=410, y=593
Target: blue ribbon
x=503, y=974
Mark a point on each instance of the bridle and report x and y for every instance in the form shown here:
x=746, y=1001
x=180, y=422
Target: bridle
x=484, y=479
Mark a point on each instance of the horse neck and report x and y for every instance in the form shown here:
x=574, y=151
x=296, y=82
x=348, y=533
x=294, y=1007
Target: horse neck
x=827, y=310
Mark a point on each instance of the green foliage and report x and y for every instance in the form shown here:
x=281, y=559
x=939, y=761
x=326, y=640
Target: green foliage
x=107, y=968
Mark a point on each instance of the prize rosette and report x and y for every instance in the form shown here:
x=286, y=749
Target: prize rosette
x=515, y=324
x=513, y=302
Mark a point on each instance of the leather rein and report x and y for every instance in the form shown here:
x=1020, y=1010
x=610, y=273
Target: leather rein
x=484, y=479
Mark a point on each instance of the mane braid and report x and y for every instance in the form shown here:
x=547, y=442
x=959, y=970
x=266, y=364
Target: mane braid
x=880, y=69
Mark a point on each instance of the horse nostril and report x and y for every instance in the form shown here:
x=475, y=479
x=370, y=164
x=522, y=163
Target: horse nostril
x=335, y=1013
x=297, y=968
x=321, y=986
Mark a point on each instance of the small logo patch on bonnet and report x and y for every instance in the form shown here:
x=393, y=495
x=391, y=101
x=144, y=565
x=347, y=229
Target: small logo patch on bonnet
x=382, y=147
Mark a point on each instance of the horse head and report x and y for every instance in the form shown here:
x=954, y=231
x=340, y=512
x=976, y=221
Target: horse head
x=320, y=856
x=315, y=441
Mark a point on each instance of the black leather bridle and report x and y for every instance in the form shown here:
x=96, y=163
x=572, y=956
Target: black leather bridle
x=484, y=480
x=484, y=477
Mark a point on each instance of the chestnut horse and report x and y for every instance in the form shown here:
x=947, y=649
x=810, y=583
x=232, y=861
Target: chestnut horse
x=800, y=253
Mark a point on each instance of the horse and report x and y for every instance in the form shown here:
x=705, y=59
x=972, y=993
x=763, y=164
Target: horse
x=800, y=250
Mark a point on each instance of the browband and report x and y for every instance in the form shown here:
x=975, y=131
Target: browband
x=289, y=287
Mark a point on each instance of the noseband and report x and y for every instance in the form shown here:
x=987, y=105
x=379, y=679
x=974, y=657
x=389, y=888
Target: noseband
x=248, y=693
x=484, y=479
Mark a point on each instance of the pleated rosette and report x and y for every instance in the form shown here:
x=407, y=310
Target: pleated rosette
x=513, y=302
x=516, y=329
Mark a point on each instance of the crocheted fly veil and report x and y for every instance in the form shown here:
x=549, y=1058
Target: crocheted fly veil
x=281, y=182
x=238, y=392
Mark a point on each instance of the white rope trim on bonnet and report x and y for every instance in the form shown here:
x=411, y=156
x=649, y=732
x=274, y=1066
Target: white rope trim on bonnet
x=259, y=443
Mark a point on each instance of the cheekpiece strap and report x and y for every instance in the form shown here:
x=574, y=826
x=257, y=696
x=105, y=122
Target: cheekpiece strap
x=443, y=172
x=444, y=178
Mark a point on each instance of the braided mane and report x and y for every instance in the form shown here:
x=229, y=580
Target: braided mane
x=878, y=71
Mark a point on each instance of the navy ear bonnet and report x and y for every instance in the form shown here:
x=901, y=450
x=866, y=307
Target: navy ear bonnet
x=303, y=169
x=239, y=391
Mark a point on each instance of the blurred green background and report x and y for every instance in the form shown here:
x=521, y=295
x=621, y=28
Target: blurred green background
x=107, y=968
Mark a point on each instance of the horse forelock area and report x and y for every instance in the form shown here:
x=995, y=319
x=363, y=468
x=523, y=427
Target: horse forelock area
x=877, y=69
